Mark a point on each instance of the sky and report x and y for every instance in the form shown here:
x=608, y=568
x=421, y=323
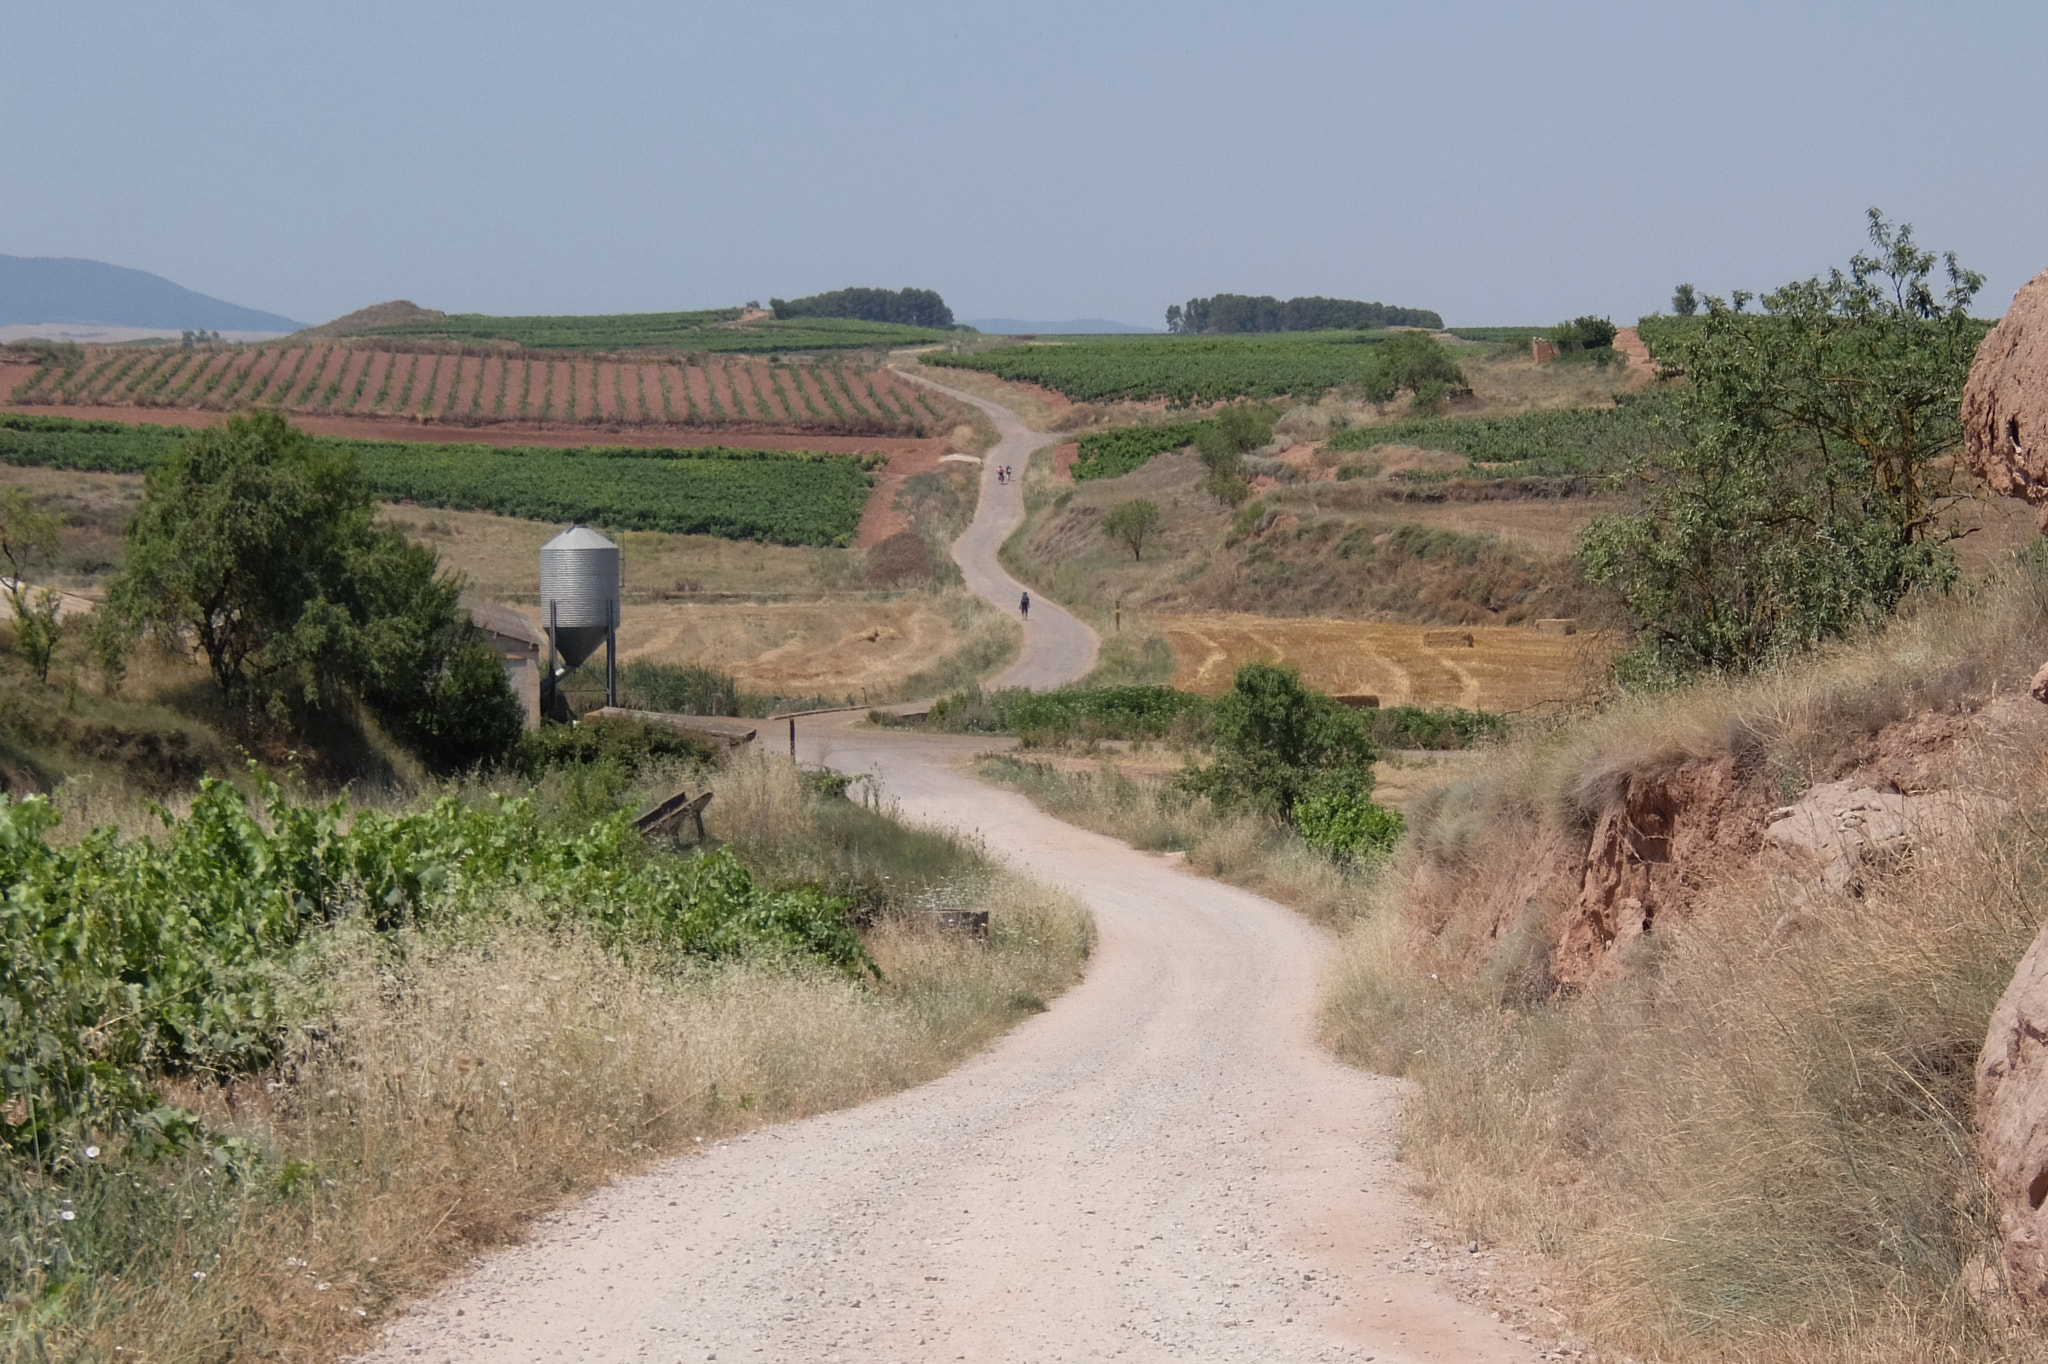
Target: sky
x=1500, y=163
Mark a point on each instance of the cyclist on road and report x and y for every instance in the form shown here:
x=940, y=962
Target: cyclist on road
x=1024, y=606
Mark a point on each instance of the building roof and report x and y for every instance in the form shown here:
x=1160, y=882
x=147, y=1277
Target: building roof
x=504, y=621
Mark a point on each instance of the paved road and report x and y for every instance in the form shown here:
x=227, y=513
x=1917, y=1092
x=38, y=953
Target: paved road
x=1164, y=1166
x=1058, y=648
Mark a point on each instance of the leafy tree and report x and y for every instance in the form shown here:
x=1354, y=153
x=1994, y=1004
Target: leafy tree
x=1278, y=743
x=909, y=307
x=28, y=533
x=1417, y=363
x=260, y=547
x=1222, y=444
x=1132, y=523
x=1806, y=491
x=1684, y=301
x=1583, y=333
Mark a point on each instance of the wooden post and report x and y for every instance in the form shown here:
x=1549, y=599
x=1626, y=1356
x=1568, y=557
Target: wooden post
x=792, y=738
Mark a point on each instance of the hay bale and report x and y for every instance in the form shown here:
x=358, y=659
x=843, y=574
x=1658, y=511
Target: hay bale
x=1557, y=625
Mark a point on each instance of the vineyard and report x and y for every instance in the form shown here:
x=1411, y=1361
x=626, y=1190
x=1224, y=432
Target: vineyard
x=1560, y=443
x=781, y=497
x=476, y=387
x=1112, y=454
x=1183, y=370
x=718, y=329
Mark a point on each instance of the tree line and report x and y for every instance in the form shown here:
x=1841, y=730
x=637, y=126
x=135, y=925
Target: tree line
x=1236, y=313
x=909, y=307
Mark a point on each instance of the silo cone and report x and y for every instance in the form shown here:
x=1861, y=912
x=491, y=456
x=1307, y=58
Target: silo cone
x=579, y=602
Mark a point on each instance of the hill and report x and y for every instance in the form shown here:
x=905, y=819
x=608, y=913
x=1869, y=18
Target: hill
x=64, y=290
x=398, y=312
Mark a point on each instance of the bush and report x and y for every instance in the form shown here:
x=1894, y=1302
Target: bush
x=1127, y=712
x=1347, y=826
x=1278, y=742
x=679, y=690
x=631, y=746
x=1433, y=726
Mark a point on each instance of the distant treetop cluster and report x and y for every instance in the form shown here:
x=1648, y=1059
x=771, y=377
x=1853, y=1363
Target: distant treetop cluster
x=910, y=307
x=1228, y=313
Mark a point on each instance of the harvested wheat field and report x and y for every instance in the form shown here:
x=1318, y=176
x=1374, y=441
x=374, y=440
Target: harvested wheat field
x=1503, y=669
x=869, y=647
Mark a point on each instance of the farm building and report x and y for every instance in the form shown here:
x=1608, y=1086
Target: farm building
x=519, y=644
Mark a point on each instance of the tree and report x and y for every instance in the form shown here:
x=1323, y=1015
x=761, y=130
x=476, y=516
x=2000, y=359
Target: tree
x=26, y=534
x=259, y=546
x=1132, y=523
x=1416, y=363
x=1806, y=491
x=1279, y=743
x=1173, y=317
x=1684, y=301
x=1222, y=443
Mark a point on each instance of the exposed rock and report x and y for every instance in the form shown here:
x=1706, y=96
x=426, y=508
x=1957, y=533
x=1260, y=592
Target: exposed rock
x=1842, y=826
x=2012, y=1123
x=2005, y=402
x=1651, y=851
x=2038, y=688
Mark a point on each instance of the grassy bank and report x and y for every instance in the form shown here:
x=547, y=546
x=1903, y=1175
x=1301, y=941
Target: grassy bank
x=1748, y=1137
x=436, y=1084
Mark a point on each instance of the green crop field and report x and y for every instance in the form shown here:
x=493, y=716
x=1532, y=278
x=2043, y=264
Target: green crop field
x=779, y=496
x=1182, y=369
x=1560, y=443
x=717, y=329
x=1112, y=454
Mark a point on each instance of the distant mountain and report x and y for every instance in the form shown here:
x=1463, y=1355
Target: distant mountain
x=61, y=290
x=1010, y=326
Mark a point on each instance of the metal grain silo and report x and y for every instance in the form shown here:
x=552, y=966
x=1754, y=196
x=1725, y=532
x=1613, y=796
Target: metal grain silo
x=579, y=600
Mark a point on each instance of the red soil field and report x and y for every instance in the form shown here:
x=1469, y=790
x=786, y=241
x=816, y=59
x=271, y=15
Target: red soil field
x=701, y=399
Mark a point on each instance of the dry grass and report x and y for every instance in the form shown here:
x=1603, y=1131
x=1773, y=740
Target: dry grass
x=442, y=1089
x=1753, y=1142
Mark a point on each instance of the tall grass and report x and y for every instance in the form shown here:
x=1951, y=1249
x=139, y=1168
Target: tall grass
x=1753, y=1140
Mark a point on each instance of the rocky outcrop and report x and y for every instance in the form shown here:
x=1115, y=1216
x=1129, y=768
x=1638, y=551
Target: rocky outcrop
x=1653, y=848
x=2012, y=1123
x=1841, y=826
x=2005, y=403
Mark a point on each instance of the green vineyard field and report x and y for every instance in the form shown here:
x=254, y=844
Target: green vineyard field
x=1182, y=370
x=1563, y=442
x=777, y=496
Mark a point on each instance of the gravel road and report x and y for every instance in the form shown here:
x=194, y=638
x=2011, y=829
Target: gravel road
x=1057, y=647
x=1163, y=1166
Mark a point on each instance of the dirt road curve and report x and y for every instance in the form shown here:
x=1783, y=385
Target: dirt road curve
x=1162, y=1167
x=1057, y=647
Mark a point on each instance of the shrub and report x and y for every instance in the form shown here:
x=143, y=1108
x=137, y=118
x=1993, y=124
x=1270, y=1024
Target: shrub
x=631, y=746
x=1347, y=826
x=1279, y=742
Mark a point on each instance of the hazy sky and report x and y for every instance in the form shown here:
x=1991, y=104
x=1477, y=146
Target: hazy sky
x=1501, y=163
